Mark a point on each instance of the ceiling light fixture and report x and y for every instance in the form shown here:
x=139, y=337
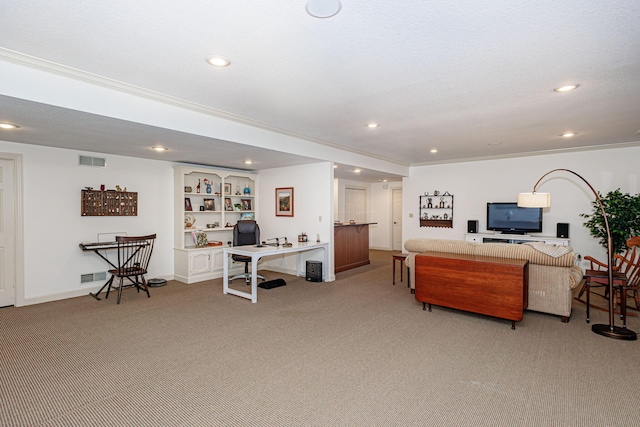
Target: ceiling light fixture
x=433, y=151
x=372, y=125
x=568, y=134
x=159, y=149
x=248, y=162
x=218, y=61
x=323, y=8
x=566, y=88
x=356, y=170
x=8, y=126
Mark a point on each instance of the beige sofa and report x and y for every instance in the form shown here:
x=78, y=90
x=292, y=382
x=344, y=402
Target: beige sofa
x=551, y=278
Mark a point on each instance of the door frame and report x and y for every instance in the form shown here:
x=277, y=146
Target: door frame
x=394, y=188
x=18, y=224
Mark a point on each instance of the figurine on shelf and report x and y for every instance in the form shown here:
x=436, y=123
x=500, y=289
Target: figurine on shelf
x=237, y=190
x=247, y=190
x=429, y=205
x=198, y=186
x=445, y=216
x=208, y=184
x=118, y=188
x=442, y=202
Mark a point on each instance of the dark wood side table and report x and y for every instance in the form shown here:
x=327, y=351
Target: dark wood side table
x=401, y=258
x=601, y=278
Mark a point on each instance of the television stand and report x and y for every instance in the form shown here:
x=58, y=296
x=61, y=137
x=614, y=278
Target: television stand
x=514, y=238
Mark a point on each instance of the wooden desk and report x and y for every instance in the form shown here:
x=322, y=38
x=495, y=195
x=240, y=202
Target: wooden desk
x=497, y=287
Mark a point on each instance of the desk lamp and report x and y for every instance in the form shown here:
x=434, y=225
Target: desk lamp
x=543, y=200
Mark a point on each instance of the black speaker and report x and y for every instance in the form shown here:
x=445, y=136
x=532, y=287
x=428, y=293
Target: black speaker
x=562, y=230
x=472, y=226
x=314, y=271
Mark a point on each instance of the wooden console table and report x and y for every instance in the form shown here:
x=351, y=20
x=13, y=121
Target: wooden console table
x=492, y=286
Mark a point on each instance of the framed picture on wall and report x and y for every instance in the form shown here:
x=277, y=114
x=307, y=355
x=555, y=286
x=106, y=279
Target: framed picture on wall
x=284, y=201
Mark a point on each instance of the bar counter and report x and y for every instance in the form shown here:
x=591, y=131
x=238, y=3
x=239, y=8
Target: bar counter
x=350, y=245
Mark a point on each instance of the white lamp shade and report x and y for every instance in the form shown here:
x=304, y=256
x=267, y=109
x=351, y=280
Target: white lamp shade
x=534, y=200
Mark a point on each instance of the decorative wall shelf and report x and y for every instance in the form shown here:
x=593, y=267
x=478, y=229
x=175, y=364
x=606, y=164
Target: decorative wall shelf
x=436, y=210
x=109, y=203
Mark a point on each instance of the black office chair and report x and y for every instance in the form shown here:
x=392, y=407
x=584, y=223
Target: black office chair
x=245, y=232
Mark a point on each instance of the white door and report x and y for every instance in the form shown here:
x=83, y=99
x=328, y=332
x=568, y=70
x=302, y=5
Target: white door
x=355, y=204
x=396, y=214
x=7, y=234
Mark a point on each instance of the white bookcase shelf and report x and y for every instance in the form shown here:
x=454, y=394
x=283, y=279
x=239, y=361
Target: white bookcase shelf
x=231, y=198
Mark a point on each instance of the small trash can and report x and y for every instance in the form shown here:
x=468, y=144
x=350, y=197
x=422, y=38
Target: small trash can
x=314, y=271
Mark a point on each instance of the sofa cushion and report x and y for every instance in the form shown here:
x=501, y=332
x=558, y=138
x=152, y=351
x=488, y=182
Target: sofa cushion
x=534, y=256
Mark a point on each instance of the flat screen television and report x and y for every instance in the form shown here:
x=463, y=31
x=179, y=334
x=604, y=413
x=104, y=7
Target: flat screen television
x=509, y=218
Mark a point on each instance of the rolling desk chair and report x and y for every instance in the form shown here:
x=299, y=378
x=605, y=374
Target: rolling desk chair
x=245, y=233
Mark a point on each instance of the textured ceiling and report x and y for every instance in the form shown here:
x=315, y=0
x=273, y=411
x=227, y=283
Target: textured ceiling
x=470, y=79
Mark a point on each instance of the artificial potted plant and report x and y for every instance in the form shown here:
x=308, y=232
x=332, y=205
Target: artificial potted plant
x=623, y=214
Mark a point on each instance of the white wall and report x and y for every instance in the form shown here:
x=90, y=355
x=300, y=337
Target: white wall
x=473, y=184
x=53, y=226
x=313, y=209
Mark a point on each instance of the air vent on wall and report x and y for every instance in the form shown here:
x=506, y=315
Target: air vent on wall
x=92, y=161
x=93, y=277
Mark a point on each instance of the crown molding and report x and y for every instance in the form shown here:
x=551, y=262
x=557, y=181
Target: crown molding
x=532, y=153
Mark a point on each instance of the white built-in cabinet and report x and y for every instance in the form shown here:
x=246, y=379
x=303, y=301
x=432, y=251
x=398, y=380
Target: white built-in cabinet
x=208, y=201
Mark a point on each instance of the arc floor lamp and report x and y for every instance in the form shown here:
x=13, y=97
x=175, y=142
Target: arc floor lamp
x=543, y=200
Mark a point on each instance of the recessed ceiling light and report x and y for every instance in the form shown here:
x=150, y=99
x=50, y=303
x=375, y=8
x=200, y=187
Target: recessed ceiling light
x=248, y=162
x=566, y=88
x=372, y=125
x=356, y=170
x=433, y=151
x=495, y=143
x=335, y=166
x=218, y=61
x=568, y=134
x=8, y=126
x=323, y=8
x=159, y=149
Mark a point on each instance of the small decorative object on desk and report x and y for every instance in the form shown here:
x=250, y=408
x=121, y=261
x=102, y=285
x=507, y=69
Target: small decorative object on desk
x=200, y=238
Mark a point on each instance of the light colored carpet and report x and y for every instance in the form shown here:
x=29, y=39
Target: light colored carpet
x=354, y=352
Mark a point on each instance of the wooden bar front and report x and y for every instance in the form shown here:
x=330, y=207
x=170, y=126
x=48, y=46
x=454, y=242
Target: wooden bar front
x=350, y=246
x=491, y=286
